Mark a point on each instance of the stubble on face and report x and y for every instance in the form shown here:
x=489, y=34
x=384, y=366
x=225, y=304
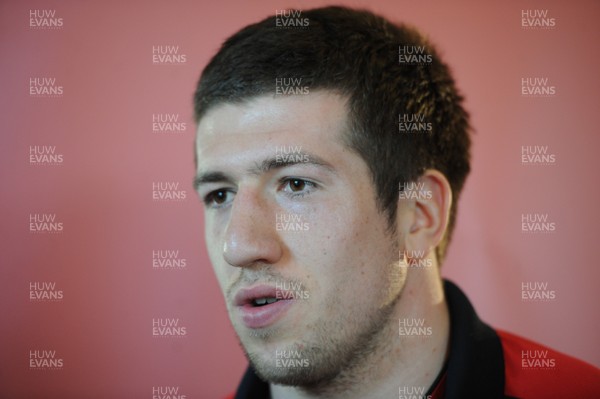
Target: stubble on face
x=337, y=348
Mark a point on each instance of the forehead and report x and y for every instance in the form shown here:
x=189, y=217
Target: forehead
x=317, y=117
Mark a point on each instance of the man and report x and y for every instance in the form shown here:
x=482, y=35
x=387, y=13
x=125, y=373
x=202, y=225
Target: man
x=331, y=151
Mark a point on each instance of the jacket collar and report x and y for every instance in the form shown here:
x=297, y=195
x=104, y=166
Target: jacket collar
x=475, y=366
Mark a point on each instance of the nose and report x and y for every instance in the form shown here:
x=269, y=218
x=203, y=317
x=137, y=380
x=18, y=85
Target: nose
x=250, y=236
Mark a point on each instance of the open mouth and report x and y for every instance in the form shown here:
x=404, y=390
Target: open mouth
x=260, y=306
x=257, y=302
x=260, y=295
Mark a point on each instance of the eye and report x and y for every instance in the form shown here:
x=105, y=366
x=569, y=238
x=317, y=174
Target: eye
x=218, y=198
x=297, y=187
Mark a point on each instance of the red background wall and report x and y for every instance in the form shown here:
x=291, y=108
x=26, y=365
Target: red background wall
x=101, y=192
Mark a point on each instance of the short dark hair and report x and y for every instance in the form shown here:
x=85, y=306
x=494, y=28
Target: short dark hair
x=356, y=54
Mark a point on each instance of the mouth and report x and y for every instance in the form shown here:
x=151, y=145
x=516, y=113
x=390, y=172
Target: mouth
x=262, y=305
x=257, y=302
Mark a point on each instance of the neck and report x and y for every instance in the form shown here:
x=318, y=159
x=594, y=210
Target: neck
x=409, y=353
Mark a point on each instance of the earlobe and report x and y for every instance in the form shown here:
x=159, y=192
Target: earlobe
x=429, y=199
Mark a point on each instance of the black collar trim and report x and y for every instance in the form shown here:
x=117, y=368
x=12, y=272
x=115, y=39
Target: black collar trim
x=476, y=361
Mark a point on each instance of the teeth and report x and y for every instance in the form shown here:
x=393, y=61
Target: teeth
x=263, y=301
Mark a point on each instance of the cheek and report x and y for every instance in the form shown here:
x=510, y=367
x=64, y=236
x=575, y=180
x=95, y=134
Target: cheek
x=214, y=246
x=347, y=246
x=215, y=225
x=211, y=239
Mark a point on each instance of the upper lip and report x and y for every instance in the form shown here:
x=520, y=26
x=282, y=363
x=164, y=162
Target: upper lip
x=247, y=295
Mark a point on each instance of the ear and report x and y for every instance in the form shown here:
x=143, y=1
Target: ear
x=427, y=211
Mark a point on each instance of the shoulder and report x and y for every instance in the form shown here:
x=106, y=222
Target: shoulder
x=533, y=370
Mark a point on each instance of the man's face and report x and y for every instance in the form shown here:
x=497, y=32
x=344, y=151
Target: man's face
x=309, y=271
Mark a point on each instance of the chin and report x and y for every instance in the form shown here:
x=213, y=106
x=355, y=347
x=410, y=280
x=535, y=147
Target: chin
x=290, y=372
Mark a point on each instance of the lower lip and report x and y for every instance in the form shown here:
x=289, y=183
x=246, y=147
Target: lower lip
x=263, y=316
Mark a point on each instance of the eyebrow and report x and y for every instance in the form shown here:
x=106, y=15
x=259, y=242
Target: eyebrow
x=267, y=165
